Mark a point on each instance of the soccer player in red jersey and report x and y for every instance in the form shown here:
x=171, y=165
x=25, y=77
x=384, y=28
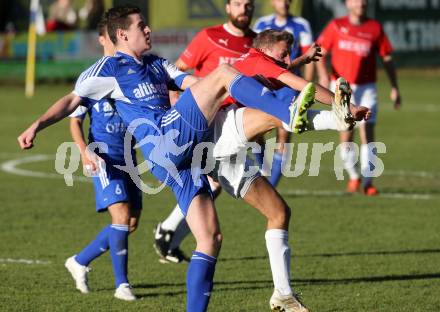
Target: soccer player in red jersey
x=221, y=44
x=353, y=42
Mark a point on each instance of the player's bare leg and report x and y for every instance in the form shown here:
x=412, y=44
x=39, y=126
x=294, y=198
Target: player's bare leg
x=262, y=196
x=203, y=222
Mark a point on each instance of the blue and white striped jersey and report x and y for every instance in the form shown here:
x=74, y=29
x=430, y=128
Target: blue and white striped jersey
x=105, y=126
x=139, y=89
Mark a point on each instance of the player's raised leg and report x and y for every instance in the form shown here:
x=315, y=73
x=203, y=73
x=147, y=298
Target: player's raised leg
x=209, y=92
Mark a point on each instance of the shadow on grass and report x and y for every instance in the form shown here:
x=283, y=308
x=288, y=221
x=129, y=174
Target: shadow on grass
x=339, y=254
x=268, y=284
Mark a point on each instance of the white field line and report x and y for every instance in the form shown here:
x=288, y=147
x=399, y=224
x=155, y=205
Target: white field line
x=23, y=261
x=11, y=166
x=326, y=193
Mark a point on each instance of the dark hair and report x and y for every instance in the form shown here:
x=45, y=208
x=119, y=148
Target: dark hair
x=269, y=37
x=102, y=25
x=118, y=18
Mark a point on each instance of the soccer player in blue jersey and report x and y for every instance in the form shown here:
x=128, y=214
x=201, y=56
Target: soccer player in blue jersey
x=139, y=86
x=303, y=45
x=115, y=190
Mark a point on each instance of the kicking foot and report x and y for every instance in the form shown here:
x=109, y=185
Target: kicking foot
x=298, y=109
x=341, y=106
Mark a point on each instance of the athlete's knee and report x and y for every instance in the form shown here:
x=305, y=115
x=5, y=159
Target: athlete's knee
x=280, y=215
x=212, y=240
x=226, y=72
x=120, y=213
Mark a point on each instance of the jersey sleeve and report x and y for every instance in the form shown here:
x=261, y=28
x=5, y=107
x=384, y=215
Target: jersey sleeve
x=327, y=36
x=97, y=82
x=80, y=112
x=196, y=52
x=175, y=75
x=383, y=43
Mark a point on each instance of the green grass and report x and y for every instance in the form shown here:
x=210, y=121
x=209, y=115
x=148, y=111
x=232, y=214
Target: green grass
x=350, y=253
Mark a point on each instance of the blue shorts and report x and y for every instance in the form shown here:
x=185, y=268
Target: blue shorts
x=115, y=186
x=181, y=129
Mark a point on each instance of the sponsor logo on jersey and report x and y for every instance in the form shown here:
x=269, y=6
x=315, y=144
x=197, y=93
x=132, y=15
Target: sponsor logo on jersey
x=227, y=60
x=115, y=127
x=131, y=71
x=361, y=48
x=145, y=89
x=224, y=42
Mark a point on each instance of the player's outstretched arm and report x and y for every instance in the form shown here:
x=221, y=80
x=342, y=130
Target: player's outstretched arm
x=313, y=54
x=390, y=69
x=321, y=70
x=295, y=82
x=60, y=109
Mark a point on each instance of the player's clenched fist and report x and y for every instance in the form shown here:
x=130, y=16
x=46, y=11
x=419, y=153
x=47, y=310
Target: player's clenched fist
x=26, y=139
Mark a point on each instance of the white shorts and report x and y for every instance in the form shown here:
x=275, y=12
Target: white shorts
x=234, y=174
x=363, y=95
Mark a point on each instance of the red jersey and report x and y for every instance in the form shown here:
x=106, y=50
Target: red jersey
x=353, y=48
x=256, y=63
x=214, y=46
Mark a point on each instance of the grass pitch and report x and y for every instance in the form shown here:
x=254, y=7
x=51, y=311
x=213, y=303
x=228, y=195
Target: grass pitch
x=350, y=253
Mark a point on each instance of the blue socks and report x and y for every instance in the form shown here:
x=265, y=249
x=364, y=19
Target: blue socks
x=199, y=281
x=275, y=174
x=253, y=94
x=96, y=248
x=118, y=239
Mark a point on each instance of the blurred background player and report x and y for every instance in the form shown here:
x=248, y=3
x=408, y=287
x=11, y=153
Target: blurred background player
x=62, y=16
x=115, y=191
x=299, y=27
x=353, y=42
x=211, y=47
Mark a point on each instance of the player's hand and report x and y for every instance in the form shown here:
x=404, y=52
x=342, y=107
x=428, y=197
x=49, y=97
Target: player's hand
x=92, y=163
x=26, y=139
x=360, y=112
x=395, y=97
x=313, y=54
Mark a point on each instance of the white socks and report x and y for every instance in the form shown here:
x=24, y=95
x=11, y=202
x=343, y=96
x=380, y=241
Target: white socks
x=349, y=158
x=181, y=232
x=174, y=219
x=366, y=157
x=279, y=257
x=321, y=120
